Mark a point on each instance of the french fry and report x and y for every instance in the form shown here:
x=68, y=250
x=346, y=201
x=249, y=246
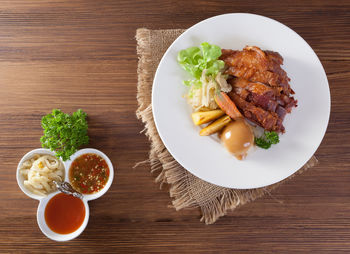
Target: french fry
x=206, y=116
x=227, y=105
x=215, y=126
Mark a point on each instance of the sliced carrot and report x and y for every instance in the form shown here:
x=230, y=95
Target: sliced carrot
x=227, y=105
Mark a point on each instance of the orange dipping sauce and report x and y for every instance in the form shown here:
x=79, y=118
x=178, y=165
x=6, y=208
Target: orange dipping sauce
x=64, y=214
x=89, y=173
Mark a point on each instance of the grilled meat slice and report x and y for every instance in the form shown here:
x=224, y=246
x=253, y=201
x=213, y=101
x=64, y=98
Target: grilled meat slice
x=268, y=120
x=257, y=93
x=256, y=65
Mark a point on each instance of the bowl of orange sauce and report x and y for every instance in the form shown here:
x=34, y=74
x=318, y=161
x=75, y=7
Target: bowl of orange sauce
x=90, y=172
x=63, y=217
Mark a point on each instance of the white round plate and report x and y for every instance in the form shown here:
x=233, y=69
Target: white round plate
x=208, y=159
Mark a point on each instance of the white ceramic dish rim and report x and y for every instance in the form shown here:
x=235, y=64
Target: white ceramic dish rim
x=225, y=183
x=44, y=199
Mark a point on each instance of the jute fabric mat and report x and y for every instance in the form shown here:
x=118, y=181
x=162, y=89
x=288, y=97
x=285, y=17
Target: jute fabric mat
x=186, y=190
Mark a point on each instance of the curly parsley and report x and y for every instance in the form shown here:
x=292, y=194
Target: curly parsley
x=64, y=133
x=269, y=138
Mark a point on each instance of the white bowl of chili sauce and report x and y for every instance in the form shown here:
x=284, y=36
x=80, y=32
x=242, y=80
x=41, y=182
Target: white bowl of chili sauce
x=90, y=172
x=62, y=217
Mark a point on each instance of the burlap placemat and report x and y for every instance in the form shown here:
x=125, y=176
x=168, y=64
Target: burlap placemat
x=186, y=190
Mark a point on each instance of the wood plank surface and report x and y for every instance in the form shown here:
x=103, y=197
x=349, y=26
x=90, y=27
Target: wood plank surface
x=82, y=54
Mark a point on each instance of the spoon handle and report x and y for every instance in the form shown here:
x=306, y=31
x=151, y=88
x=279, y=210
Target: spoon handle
x=66, y=188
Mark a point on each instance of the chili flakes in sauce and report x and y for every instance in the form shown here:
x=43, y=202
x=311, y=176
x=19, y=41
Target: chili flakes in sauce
x=89, y=173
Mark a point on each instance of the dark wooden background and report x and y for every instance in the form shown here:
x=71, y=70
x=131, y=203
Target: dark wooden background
x=81, y=54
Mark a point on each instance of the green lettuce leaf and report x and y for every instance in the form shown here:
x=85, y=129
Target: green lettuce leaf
x=215, y=67
x=194, y=60
x=210, y=52
x=189, y=59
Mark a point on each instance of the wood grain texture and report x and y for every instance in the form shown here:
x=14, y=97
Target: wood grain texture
x=81, y=54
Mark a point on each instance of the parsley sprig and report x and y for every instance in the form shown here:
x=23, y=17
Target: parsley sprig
x=64, y=133
x=269, y=138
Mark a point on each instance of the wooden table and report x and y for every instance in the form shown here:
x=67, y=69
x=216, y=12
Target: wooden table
x=81, y=54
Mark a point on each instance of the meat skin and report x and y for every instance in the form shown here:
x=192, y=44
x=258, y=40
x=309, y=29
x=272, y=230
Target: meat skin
x=256, y=65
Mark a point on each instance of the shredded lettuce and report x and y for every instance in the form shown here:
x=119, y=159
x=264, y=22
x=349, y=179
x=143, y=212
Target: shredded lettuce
x=202, y=97
x=195, y=60
x=196, y=83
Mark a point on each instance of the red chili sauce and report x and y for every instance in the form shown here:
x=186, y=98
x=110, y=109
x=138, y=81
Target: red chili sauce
x=64, y=214
x=88, y=173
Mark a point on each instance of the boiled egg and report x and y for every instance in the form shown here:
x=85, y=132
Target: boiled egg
x=238, y=138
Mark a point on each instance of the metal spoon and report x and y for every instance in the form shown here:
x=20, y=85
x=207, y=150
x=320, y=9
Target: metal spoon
x=66, y=188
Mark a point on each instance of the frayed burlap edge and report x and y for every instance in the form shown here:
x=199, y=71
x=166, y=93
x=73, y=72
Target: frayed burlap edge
x=186, y=190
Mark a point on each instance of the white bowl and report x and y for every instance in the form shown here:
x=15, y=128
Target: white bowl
x=40, y=216
x=109, y=163
x=20, y=178
x=44, y=199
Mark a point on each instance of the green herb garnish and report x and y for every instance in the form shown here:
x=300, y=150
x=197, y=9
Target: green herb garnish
x=269, y=138
x=64, y=133
x=272, y=136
